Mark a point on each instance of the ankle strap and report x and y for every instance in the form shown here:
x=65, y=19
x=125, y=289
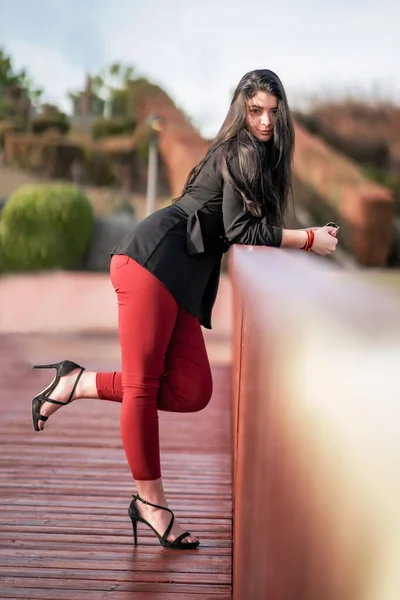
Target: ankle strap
x=167, y=531
x=137, y=497
x=75, y=385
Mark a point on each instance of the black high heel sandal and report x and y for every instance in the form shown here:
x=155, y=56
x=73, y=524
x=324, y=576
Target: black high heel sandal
x=62, y=368
x=135, y=517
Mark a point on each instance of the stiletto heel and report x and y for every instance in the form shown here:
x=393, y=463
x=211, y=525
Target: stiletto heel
x=62, y=368
x=134, y=525
x=178, y=543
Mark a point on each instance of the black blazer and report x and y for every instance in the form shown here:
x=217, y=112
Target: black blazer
x=182, y=244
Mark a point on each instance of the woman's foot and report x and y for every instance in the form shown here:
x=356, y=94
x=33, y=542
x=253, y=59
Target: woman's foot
x=152, y=491
x=86, y=388
x=160, y=519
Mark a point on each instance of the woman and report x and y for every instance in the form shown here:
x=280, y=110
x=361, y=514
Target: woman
x=166, y=277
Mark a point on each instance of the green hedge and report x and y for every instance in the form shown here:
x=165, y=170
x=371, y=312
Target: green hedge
x=103, y=128
x=45, y=226
x=59, y=123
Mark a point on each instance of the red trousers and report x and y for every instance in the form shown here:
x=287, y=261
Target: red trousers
x=164, y=363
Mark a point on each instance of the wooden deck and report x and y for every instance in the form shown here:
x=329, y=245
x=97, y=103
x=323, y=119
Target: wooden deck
x=64, y=493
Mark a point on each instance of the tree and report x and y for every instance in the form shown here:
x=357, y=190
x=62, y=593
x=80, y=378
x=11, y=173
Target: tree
x=113, y=82
x=108, y=91
x=117, y=75
x=7, y=74
x=16, y=84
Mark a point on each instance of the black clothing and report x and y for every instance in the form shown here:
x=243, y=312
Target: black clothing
x=183, y=244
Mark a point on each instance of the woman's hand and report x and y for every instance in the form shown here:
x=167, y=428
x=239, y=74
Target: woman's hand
x=333, y=230
x=325, y=241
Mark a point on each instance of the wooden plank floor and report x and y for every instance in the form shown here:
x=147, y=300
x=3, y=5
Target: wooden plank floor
x=64, y=493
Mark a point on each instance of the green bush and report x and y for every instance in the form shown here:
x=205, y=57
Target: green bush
x=103, y=128
x=45, y=226
x=58, y=122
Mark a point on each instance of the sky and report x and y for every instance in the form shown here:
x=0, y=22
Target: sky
x=198, y=51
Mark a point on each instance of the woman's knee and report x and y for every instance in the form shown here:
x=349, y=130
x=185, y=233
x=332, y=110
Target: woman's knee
x=190, y=395
x=203, y=393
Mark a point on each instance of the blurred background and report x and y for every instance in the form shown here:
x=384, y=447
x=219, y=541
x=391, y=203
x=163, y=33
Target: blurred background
x=82, y=83
x=105, y=106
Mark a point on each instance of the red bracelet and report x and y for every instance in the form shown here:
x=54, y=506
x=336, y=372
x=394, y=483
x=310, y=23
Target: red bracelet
x=310, y=240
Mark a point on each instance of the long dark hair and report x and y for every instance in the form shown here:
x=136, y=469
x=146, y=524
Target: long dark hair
x=260, y=172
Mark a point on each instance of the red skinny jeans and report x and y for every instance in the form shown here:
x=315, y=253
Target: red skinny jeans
x=164, y=363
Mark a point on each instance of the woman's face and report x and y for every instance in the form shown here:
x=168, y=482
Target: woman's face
x=262, y=110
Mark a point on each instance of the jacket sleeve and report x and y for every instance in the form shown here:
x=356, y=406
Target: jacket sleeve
x=241, y=227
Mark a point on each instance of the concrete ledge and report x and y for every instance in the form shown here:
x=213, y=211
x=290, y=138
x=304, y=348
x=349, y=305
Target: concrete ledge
x=315, y=431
